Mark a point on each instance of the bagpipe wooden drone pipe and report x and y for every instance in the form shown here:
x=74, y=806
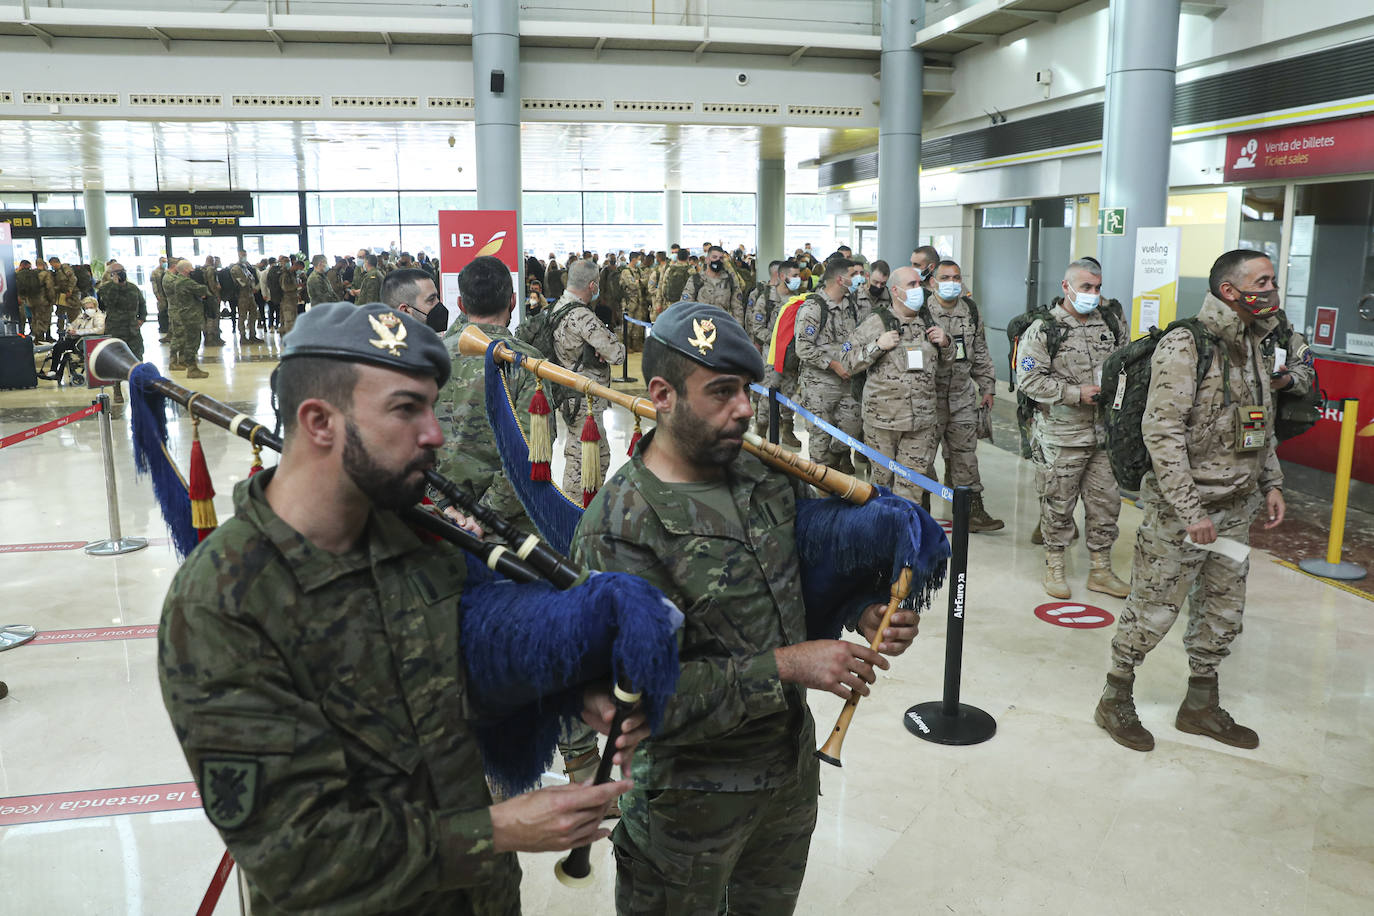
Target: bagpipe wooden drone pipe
x=535, y=629
x=862, y=546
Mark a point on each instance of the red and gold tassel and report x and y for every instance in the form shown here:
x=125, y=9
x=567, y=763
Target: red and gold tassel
x=591, y=457
x=541, y=441
x=201, y=491
x=257, y=452
x=635, y=437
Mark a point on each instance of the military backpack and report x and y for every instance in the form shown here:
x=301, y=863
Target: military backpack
x=26, y=282
x=858, y=380
x=538, y=331
x=674, y=282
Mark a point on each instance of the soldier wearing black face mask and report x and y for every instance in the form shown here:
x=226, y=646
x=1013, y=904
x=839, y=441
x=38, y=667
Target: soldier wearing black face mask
x=874, y=293
x=716, y=285
x=412, y=291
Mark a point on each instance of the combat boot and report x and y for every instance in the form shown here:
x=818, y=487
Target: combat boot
x=978, y=518
x=1102, y=579
x=845, y=465
x=1116, y=713
x=760, y=429
x=582, y=769
x=786, y=435
x=194, y=371
x=1056, y=586
x=175, y=365
x=118, y=393
x=1036, y=537
x=1201, y=714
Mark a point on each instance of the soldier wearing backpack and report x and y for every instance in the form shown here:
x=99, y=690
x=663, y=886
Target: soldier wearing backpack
x=672, y=281
x=1059, y=368
x=893, y=358
x=763, y=320
x=1208, y=429
x=716, y=286
x=825, y=322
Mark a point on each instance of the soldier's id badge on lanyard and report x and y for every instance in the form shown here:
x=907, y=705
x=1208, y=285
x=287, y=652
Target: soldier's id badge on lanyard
x=915, y=359
x=1252, y=427
x=960, y=354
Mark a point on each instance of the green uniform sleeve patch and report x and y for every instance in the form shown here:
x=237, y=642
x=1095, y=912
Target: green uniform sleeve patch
x=230, y=787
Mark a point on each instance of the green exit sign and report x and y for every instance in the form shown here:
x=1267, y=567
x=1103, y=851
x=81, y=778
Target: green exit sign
x=1111, y=221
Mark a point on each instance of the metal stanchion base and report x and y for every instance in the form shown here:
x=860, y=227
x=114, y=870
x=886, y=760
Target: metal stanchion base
x=624, y=380
x=16, y=634
x=1346, y=572
x=108, y=548
x=928, y=722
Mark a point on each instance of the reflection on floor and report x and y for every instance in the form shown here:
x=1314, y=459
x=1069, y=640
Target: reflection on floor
x=1048, y=816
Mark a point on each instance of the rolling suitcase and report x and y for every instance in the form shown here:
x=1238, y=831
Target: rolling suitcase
x=16, y=363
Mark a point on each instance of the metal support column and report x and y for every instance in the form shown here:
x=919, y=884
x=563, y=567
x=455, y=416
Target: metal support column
x=899, y=131
x=496, y=108
x=672, y=188
x=772, y=210
x=1142, y=48
x=97, y=226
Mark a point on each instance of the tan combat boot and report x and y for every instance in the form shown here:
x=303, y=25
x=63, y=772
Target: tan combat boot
x=1116, y=713
x=1056, y=586
x=194, y=371
x=978, y=518
x=1102, y=579
x=787, y=435
x=175, y=365
x=582, y=769
x=760, y=429
x=1201, y=714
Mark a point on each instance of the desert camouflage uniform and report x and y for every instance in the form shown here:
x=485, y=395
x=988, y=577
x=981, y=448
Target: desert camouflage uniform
x=187, y=312
x=65, y=297
x=959, y=389
x=898, y=406
x=722, y=290
x=635, y=301
x=865, y=303
x=1069, y=433
x=1197, y=472
x=724, y=797
x=822, y=391
x=41, y=303
x=290, y=299
x=666, y=278
x=321, y=703
x=247, y=281
x=584, y=344
x=762, y=316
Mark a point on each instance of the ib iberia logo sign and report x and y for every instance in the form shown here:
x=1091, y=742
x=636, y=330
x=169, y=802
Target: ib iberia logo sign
x=468, y=234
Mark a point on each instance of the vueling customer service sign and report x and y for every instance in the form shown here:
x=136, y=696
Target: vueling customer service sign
x=1154, y=294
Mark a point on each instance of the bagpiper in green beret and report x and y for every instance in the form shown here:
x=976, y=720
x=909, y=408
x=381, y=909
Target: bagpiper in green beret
x=708, y=335
x=375, y=334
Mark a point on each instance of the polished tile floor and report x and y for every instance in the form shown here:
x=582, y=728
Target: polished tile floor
x=1048, y=816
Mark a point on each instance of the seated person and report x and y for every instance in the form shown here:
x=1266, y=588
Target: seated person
x=90, y=323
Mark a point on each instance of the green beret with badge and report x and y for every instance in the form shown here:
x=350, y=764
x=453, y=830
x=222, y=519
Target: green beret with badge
x=707, y=334
x=376, y=334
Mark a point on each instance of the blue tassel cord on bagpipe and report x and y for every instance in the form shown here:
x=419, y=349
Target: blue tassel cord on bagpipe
x=532, y=641
x=851, y=554
x=553, y=513
x=148, y=416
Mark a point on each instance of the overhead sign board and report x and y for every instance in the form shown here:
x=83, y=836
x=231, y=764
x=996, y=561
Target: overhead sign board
x=1329, y=148
x=205, y=205
x=177, y=221
x=19, y=219
x=465, y=235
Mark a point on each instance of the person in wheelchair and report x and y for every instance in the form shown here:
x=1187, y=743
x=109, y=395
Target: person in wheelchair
x=66, y=355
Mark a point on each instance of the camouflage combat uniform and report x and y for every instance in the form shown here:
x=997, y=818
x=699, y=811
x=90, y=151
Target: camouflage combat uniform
x=724, y=797
x=164, y=326
x=898, y=406
x=676, y=274
x=65, y=297
x=763, y=314
x=319, y=289
x=124, y=308
x=584, y=344
x=1198, y=472
x=722, y=290
x=187, y=311
x=320, y=701
x=247, y=281
x=865, y=302
x=41, y=303
x=1069, y=433
x=959, y=390
x=290, y=299
x=635, y=301
x=370, y=287
x=820, y=342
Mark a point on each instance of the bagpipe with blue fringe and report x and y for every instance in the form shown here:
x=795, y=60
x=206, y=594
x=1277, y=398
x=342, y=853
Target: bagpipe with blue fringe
x=861, y=545
x=535, y=630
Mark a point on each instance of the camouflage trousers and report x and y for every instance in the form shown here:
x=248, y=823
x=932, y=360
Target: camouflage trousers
x=636, y=309
x=187, y=324
x=288, y=315
x=957, y=435
x=164, y=322
x=1166, y=571
x=785, y=382
x=684, y=852
x=914, y=448
x=41, y=323
x=249, y=317
x=127, y=332
x=572, y=447
x=829, y=398
x=1066, y=474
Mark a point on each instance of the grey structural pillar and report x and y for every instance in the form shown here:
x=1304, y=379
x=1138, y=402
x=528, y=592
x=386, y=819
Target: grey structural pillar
x=771, y=200
x=1142, y=51
x=672, y=188
x=97, y=225
x=496, y=110
x=899, y=131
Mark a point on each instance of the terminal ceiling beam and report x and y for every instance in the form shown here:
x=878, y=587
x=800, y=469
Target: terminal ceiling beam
x=40, y=34
x=701, y=49
x=277, y=40
x=795, y=57
x=386, y=38
x=600, y=43
x=161, y=36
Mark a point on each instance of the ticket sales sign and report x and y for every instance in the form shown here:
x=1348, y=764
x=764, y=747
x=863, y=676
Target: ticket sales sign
x=1327, y=148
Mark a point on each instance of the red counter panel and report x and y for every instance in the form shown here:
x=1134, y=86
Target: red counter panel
x=1316, y=448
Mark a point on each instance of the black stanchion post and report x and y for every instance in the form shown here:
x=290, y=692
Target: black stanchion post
x=774, y=416
x=625, y=340
x=947, y=721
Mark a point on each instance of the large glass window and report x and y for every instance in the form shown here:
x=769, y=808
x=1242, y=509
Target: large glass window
x=423, y=207
x=352, y=209
x=807, y=222
x=1331, y=261
x=1261, y=220
x=1202, y=217
x=274, y=210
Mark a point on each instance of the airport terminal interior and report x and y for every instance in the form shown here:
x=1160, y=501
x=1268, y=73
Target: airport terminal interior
x=624, y=125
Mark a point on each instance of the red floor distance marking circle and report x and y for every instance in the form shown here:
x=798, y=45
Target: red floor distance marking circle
x=1074, y=616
